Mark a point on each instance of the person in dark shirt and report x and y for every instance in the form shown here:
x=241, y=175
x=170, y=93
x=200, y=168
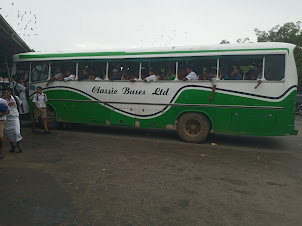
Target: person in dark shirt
x=237, y=73
x=115, y=75
x=85, y=74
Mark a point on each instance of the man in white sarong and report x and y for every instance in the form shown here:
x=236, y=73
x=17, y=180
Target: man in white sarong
x=4, y=110
x=12, y=123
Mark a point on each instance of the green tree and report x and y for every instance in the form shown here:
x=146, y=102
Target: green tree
x=289, y=33
x=225, y=42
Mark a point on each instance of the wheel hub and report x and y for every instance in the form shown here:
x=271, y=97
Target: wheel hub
x=193, y=127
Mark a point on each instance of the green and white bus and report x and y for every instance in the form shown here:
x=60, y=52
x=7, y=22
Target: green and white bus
x=237, y=107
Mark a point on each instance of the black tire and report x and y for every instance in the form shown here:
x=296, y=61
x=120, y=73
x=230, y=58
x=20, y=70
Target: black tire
x=52, y=118
x=300, y=110
x=193, y=127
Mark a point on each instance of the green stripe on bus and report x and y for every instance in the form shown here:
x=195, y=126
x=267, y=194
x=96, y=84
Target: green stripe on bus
x=93, y=54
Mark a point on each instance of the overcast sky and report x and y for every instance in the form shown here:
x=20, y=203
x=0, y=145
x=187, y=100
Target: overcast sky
x=73, y=25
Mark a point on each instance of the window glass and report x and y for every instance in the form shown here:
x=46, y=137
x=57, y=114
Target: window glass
x=159, y=69
x=4, y=74
x=39, y=71
x=22, y=70
x=240, y=67
x=274, y=67
x=123, y=70
x=92, y=70
x=62, y=69
x=197, y=68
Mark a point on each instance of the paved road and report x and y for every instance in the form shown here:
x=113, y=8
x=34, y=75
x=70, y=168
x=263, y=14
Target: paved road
x=124, y=176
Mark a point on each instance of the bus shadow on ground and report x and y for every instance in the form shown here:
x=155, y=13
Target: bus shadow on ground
x=221, y=140
x=247, y=142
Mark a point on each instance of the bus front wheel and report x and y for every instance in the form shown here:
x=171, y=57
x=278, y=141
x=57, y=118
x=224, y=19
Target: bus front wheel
x=193, y=127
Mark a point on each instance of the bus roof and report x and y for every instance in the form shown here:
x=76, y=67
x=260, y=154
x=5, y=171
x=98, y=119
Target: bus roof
x=221, y=49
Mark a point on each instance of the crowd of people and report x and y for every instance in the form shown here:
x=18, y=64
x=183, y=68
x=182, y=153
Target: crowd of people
x=14, y=102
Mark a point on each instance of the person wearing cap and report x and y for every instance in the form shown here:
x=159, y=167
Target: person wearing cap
x=40, y=101
x=115, y=75
x=191, y=75
x=12, y=122
x=4, y=111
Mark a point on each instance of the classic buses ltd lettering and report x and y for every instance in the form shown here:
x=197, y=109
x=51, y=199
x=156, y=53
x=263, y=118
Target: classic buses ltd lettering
x=98, y=89
x=160, y=91
x=127, y=90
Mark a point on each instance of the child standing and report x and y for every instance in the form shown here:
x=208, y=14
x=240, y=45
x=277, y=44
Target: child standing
x=40, y=101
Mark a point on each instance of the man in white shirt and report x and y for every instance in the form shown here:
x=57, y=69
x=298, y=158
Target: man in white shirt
x=4, y=110
x=151, y=77
x=94, y=77
x=191, y=75
x=12, y=122
x=40, y=101
x=69, y=76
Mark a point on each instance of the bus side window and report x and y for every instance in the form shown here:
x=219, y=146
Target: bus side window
x=39, y=71
x=274, y=67
x=243, y=67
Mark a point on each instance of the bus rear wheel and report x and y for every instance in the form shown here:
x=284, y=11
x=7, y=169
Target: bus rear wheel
x=193, y=127
x=52, y=118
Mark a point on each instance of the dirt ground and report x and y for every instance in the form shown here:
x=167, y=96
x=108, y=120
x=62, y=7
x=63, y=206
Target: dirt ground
x=126, y=176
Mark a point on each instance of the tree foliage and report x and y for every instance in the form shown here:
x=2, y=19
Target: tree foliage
x=225, y=42
x=245, y=40
x=289, y=33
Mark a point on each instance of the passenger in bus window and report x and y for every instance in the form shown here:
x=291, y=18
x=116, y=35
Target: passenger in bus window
x=151, y=77
x=84, y=75
x=69, y=76
x=191, y=75
x=237, y=73
x=255, y=76
x=115, y=75
x=94, y=77
x=225, y=72
x=171, y=75
x=58, y=74
x=212, y=76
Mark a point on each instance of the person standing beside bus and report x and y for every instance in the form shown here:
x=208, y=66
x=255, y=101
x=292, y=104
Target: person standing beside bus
x=22, y=95
x=12, y=122
x=191, y=75
x=40, y=101
x=4, y=110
